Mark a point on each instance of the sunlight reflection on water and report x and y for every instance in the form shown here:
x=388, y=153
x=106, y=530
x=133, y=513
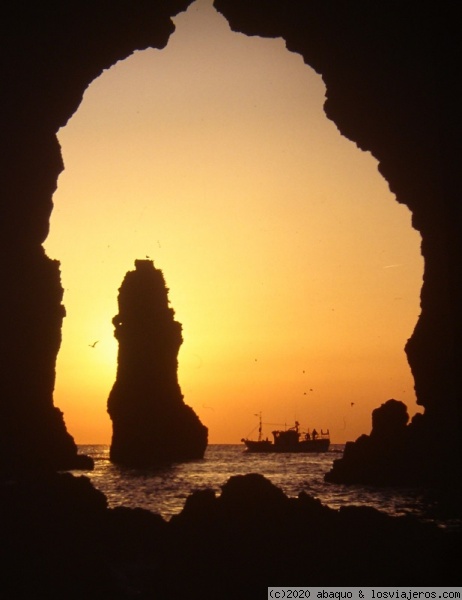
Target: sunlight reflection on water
x=165, y=490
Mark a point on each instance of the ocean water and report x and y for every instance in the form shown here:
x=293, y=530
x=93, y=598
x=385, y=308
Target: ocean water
x=165, y=490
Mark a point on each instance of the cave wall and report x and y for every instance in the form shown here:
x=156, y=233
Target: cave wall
x=385, y=68
x=50, y=52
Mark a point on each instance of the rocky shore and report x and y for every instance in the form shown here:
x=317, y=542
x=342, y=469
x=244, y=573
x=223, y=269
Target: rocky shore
x=60, y=540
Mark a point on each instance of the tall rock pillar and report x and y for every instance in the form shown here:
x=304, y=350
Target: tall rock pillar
x=151, y=423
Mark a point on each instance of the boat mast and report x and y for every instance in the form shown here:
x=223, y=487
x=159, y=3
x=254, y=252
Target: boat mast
x=259, y=426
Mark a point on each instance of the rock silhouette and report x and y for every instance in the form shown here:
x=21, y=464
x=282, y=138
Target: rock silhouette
x=151, y=423
x=382, y=457
x=47, y=62
x=33, y=434
x=395, y=452
x=265, y=535
x=60, y=540
x=399, y=113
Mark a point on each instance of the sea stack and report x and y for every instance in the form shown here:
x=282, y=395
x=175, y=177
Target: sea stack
x=151, y=424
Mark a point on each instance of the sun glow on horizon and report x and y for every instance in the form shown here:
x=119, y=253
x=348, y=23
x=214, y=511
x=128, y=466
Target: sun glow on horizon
x=294, y=272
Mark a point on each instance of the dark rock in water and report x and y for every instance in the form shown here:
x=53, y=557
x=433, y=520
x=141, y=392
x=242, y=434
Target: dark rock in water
x=60, y=540
x=151, y=423
x=395, y=452
x=252, y=491
x=253, y=534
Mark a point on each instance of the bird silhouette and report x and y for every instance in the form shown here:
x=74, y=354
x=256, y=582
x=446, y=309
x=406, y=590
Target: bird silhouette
x=94, y=344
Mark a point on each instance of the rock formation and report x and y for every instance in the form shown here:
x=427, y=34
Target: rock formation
x=151, y=423
x=388, y=90
x=60, y=540
x=265, y=535
x=48, y=56
x=385, y=456
x=33, y=435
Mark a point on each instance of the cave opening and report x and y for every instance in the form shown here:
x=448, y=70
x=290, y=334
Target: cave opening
x=295, y=274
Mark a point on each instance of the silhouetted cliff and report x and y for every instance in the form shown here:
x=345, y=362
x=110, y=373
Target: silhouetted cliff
x=49, y=53
x=385, y=66
x=150, y=421
x=33, y=435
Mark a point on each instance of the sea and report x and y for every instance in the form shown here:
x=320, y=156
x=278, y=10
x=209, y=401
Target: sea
x=164, y=490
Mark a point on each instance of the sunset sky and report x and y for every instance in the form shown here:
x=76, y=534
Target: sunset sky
x=294, y=272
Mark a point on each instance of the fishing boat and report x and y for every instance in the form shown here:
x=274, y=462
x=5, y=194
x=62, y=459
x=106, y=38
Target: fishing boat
x=289, y=440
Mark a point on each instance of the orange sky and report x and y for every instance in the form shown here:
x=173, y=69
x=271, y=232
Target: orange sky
x=293, y=270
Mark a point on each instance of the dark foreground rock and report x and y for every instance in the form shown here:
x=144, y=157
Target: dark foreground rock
x=150, y=422
x=59, y=540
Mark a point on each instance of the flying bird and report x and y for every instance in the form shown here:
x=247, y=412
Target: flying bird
x=94, y=344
